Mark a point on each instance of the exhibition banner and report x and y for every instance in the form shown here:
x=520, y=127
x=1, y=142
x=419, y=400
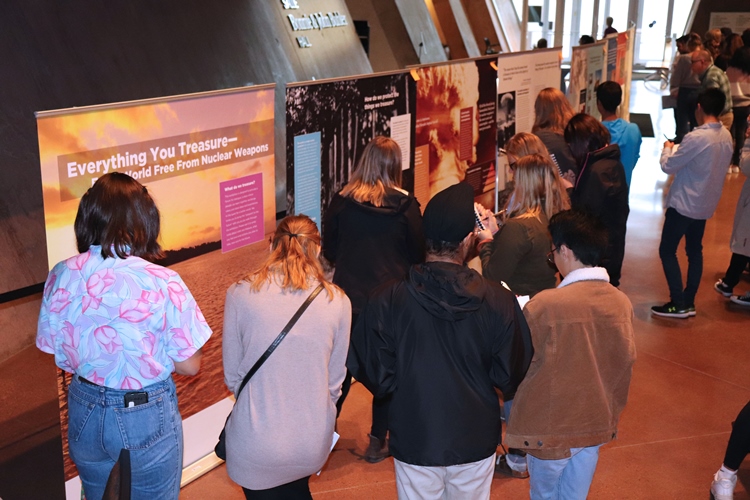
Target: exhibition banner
x=456, y=126
x=587, y=65
x=736, y=21
x=180, y=148
x=626, y=54
x=208, y=161
x=328, y=124
x=520, y=78
x=620, y=65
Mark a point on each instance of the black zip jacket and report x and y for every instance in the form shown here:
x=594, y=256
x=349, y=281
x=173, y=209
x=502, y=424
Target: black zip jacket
x=372, y=245
x=601, y=189
x=440, y=341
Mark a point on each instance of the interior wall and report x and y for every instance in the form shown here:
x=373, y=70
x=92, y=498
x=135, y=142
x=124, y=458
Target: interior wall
x=703, y=14
x=465, y=28
x=57, y=55
x=422, y=30
x=481, y=20
x=450, y=28
x=390, y=46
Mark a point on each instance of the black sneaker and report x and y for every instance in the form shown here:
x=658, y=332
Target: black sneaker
x=671, y=310
x=743, y=300
x=691, y=310
x=723, y=289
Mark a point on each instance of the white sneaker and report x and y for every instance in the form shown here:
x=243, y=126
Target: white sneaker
x=722, y=488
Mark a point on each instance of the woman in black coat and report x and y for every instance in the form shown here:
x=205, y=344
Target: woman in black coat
x=372, y=233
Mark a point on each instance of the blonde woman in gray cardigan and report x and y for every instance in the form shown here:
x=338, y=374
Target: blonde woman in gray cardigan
x=281, y=428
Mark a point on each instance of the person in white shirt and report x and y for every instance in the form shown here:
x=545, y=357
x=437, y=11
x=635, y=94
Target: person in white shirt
x=699, y=166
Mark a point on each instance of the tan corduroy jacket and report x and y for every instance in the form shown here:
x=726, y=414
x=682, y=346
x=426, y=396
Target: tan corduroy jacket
x=577, y=384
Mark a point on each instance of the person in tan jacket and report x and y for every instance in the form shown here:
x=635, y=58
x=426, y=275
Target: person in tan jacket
x=570, y=401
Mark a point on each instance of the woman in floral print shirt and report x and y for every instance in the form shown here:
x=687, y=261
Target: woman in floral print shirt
x=122, y=325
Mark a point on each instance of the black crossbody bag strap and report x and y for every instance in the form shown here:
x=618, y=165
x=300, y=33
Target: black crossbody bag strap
x=278, y=340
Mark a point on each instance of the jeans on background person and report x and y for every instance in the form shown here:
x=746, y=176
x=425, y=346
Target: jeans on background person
x=739, y=441
x=380, y=408
x=296, y=490
x=514, y=458
x=675, y=227
x=564, y=479
x=739, y=126
x=99, y=426
x=347, y=385
x=737, y=265
x=684, y=112
x=345, y=388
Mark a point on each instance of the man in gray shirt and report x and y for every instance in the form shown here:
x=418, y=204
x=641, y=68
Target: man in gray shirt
x=699, y=166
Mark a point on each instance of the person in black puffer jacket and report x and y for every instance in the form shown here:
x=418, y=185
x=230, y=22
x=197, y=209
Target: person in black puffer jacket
x=601, y=188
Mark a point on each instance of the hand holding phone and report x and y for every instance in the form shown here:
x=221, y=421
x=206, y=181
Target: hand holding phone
x=478, y=217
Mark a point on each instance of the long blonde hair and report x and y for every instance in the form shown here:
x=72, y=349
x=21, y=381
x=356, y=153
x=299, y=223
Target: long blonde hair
x=551, y=111
x=524, y=144
x=539, y=188
x=293, y=263
x=378, y=168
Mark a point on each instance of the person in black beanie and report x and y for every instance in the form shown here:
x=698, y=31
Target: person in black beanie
x=439, y=341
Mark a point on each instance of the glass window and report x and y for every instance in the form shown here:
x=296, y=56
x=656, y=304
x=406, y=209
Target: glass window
x=587, y=16
x=567, y=32
x=680, y=17
x=618, y=11
x=652, y=33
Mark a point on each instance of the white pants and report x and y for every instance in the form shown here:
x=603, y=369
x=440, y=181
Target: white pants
x=466, y=481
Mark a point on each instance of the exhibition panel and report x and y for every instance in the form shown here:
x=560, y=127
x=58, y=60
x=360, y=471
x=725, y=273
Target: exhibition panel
x=207, y=159
x=328, y=124
x=609, y=59
x=454, y=137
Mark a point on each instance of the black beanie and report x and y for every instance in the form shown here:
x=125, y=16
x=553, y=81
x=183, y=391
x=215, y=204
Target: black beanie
x=449, y=215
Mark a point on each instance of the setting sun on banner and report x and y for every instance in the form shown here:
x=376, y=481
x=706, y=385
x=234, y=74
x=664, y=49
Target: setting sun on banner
x=207, y=159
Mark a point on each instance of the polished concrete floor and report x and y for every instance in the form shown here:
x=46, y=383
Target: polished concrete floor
x=690, y=380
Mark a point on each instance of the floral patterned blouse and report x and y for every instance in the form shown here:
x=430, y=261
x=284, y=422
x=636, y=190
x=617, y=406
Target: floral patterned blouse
x=120, y=323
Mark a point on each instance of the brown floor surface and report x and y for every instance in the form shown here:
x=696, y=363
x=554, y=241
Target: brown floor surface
x=689, y=382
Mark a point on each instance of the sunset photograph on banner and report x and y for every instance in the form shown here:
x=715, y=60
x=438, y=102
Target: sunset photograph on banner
x=208, y=161
x=181, y=150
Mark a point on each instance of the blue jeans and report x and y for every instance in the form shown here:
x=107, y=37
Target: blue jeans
x=99, y=426
x=563, y=479
x=675, y=227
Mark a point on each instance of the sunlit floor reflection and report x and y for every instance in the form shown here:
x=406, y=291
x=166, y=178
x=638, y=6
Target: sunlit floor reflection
x=648, y=182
